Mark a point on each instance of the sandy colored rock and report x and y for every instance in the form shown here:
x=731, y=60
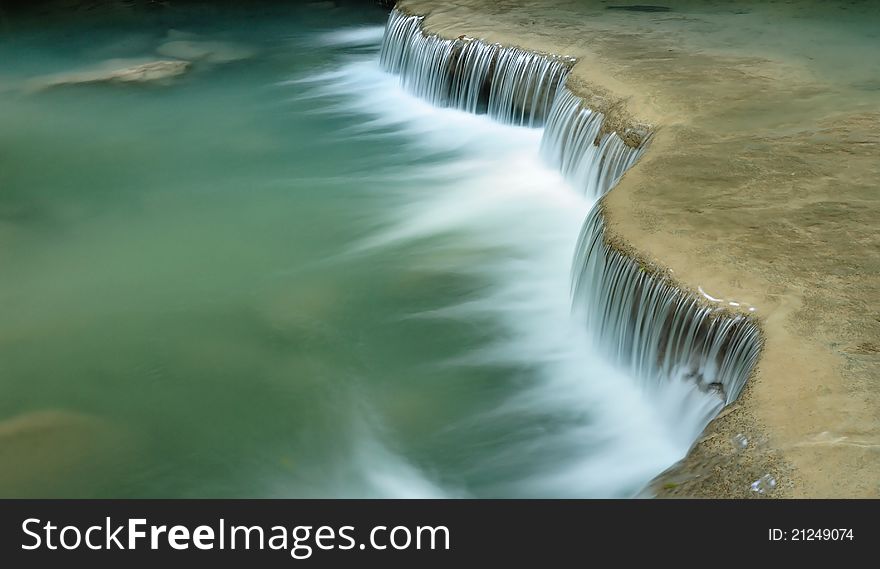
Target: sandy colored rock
x=760, y=187
x=115, y=71
x=59, y=453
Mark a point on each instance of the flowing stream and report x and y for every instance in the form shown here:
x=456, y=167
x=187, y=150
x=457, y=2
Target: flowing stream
x=318, y=268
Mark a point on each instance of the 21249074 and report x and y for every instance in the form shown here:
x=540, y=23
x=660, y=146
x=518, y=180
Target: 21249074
x=811, y=534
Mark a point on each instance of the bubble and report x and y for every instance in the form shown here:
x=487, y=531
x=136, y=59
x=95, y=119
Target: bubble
x=764, y=484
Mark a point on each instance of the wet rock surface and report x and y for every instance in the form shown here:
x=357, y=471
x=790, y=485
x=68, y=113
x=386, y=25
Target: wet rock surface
x=760, y=187
x=56, y=452
x=115, y=71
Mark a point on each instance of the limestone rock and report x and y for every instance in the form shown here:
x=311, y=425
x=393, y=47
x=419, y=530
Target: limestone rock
x=207, y=51
x=116, y=71
x=56, y=452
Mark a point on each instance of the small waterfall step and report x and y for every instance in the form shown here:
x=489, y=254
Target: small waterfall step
x=639, y=320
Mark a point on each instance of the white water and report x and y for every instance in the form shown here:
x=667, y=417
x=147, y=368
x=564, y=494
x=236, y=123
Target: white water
x=569, y=144
x=512, y=85
x=357, y=36
x=497, y=209
x=655, y=331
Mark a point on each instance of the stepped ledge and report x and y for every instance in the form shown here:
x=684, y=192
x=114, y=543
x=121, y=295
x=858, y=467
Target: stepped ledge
x=759, y=190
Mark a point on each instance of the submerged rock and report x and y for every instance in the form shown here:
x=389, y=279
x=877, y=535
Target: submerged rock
x=57, y=452
x=116, y=71
x=207, y=51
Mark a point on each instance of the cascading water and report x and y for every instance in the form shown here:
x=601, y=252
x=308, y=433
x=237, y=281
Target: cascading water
x=512, y=85
x=655, y=330
x=692, y=359
x=573, y=142
x=361, y=277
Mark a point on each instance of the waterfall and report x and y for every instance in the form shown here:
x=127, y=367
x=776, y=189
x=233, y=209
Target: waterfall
x=651, y=327
x=573, y=141
x=640, y=321
x=512, y=85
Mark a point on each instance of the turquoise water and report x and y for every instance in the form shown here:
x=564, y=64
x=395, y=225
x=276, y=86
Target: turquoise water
x=282, y=276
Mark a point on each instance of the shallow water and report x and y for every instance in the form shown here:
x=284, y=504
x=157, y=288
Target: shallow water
x=284, y=276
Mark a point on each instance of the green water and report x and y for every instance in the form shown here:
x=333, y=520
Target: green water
x=169, y=272
x=282, y=276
